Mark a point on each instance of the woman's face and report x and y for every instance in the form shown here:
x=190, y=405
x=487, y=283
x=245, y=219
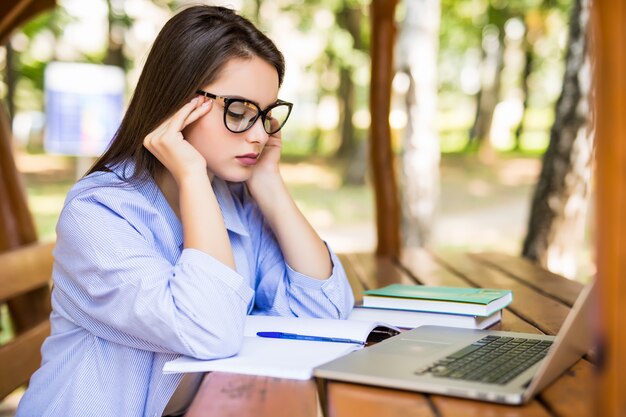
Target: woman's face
x=232, y=156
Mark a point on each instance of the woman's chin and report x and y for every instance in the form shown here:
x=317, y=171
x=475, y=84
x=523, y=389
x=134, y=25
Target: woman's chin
x=233, y=177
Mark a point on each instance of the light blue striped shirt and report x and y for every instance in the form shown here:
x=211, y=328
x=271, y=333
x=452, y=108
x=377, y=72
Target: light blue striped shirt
x=127, y=297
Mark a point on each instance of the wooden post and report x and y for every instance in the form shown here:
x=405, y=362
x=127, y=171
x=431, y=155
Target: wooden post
x=381, y=152
x=610, y=86
x=16, y=224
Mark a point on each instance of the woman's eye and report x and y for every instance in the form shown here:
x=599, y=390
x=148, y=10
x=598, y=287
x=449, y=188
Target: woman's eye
x=235, y=115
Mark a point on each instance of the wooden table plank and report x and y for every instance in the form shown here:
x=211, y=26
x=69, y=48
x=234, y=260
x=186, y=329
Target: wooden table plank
x=571, y=395
x=375, y=271
x=532, y=311
x=547, y=314
x=232, y=395
x=430, y=271
x=457, y=407
x=351, y=400
x=540, y=279
x=372, y=271
x=542, y=311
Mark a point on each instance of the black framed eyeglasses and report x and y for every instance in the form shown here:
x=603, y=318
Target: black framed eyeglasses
x=241, y=114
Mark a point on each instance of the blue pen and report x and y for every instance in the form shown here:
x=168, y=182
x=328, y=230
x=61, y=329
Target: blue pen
x=281, y=335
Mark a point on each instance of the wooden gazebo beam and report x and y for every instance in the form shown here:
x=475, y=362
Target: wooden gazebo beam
x=380, y=146
x=14, y=13
x=609, y=32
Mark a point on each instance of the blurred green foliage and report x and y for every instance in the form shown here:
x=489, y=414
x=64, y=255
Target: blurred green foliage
x=344, y=58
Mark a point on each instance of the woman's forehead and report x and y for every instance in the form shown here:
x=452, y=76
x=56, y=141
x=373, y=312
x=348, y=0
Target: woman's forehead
x=253, y=78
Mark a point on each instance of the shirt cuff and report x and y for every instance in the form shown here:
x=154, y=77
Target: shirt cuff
x=328, y=284
x=216, y=269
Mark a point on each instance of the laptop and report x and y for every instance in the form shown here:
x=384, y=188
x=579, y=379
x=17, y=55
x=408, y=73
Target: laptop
x=495, y=366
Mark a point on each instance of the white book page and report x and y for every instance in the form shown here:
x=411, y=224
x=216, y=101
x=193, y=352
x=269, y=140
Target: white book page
x=283, y=358
x=280, y=358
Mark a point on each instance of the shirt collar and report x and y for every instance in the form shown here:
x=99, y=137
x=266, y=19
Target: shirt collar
x=232, y=210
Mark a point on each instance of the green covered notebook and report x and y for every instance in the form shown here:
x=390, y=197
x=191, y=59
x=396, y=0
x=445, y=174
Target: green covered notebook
x=452, y=300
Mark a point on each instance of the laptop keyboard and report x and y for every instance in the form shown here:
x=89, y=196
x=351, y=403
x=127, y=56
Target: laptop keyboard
x=491, y=360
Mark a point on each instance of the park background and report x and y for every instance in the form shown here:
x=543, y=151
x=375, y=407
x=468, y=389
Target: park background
x=499, y=71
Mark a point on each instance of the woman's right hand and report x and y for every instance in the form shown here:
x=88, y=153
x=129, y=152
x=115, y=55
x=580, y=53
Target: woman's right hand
x=168, y=145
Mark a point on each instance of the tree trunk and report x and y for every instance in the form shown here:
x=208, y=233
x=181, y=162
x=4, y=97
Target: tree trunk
x=489, y=94
x=417, y=57
x=346, y=130
x=560, y=202
x=115, y=55
x=528, y=66
x=349, y=18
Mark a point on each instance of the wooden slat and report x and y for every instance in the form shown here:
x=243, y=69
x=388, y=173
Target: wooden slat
x=231, y=395
x=571, y=394
x=379, y=271
x=21, y=357
x=457, y=407
x=428, y=270
x=351, y=400
x=540, y=279
x=538, y=309
x=25, y=269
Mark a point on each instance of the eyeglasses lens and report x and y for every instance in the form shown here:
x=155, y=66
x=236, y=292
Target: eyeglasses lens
x=276, y=118
x=240, y=116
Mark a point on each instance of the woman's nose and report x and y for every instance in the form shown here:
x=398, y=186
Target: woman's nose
x=257, y=132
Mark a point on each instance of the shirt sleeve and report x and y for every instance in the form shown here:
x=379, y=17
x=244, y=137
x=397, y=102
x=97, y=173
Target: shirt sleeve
x=280, y=290
x=111, y=280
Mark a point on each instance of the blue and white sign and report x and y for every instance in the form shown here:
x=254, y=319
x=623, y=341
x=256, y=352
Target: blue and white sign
x=84, y=107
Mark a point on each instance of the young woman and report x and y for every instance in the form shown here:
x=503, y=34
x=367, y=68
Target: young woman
x=180, y=229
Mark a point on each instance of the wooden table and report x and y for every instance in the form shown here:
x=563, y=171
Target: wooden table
x=541, y=303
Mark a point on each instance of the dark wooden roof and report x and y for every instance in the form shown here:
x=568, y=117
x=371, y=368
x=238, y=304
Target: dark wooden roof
x=14, y=13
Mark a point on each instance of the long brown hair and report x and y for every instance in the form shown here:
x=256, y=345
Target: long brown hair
x=188, y=53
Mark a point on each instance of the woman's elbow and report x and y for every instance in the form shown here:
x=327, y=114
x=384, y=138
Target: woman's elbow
x=221, y=342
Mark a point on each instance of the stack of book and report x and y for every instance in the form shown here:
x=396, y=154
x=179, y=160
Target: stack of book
x=410, y=306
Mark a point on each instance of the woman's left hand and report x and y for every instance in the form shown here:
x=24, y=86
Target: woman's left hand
x=267, y=164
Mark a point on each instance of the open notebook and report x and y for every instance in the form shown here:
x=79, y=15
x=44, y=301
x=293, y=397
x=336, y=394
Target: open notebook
x=288, y=358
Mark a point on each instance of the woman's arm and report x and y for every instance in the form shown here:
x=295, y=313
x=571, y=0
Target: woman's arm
x=131, y=289
x=302, y=248
x=190, y=192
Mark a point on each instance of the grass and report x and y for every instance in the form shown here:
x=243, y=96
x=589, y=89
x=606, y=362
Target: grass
x=482, y=206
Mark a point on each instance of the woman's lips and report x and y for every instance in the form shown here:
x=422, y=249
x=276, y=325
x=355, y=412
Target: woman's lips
x=248, y=159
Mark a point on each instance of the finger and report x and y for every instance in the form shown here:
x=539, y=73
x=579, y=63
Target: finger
x=178, y=119
x=200, y=111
